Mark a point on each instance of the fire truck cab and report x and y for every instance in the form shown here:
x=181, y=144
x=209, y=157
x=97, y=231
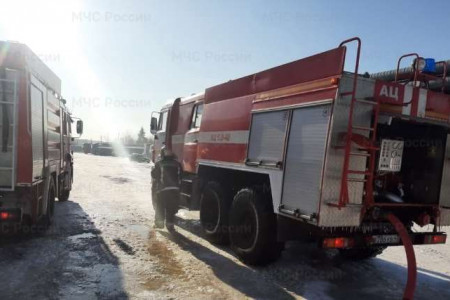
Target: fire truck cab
x=306, y=150
x=36, y=164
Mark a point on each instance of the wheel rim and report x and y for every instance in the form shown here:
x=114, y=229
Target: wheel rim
x=210, y=211
x=246, y=228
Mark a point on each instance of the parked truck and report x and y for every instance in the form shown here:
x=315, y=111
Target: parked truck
x=306, y=150
x=36, y=164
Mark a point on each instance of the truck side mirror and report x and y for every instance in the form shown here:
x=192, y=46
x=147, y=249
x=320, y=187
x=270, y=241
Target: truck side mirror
x=80, y=127
x=154, y=125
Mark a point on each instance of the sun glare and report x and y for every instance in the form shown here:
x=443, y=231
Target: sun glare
x=56, y=39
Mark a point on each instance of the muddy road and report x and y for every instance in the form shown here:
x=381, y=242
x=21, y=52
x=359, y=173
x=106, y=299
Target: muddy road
x=102, y=246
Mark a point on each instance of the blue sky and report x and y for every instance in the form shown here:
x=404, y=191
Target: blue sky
x=120, y=60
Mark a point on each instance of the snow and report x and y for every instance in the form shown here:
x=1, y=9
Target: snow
x=102, y=246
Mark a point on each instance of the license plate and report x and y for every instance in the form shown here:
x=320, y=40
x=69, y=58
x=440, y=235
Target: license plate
x=386, y=239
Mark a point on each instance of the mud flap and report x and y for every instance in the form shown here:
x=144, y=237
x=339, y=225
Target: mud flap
x=44, y=200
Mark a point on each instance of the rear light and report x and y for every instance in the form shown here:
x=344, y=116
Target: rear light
x=435, y=239
x=12, y=215
x=4, y=215
x=339, y=243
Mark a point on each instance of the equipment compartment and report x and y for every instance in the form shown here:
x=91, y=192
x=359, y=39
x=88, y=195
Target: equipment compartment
x=419, y=178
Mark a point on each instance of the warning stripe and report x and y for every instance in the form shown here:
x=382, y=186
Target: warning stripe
x=178, y=139
x=422, y=105
x=191, y=138
x=224, y=137
x=407, y=97
x=213, y=137
x=185, y=138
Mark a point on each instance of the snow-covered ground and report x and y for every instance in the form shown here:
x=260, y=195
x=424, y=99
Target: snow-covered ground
x=102, y=246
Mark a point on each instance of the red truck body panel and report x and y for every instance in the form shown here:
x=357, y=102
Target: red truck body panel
x=38, y=144
x=227, y=114
x=319, y=66
x=24, y=152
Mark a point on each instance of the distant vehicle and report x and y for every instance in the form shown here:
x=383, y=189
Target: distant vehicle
x=308, y=150
x=76, y=148
x=130, y=150
x=87, y=147
x=36, y=165
x=102, y=149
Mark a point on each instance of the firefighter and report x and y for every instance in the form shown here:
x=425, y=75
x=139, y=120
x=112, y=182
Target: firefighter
x=166, y=177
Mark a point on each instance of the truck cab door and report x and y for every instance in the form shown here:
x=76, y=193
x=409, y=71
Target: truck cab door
x=191, y=140
x=167, y=124
x=160, y=134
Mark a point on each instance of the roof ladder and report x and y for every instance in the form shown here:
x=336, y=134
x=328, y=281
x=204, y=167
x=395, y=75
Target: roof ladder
x=8, y=103
x=366, y=145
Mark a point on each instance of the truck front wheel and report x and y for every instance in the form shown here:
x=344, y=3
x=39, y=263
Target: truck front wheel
x=214, y=207
x=253, y=227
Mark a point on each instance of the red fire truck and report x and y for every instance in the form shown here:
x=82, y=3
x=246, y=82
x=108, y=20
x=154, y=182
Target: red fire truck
x=306, y=150
x=36, y=164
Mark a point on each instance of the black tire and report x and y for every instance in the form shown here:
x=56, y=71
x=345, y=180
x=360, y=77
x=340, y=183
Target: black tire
x=253, y=228
x=214, y=209
x=48, y=218
x=64, y=195
x=361, y=253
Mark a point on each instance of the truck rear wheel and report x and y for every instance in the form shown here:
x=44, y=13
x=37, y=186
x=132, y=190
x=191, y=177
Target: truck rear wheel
x=361, y=253
x=214, y=209
x=64, y=195
x=48, y=218
x=253, y=228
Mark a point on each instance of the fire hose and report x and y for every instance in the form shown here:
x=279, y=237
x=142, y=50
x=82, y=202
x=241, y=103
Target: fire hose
x=410, y=288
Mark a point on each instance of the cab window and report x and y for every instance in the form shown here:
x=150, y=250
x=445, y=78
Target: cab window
x=162, y=121
x=197, y=116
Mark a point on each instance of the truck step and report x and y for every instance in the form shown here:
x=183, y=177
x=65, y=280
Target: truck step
x=359, y=172
x=363, y=128
x=360, y=154
x=366, y=101
x=356, y=180
x=368, y=148
x=346, y=205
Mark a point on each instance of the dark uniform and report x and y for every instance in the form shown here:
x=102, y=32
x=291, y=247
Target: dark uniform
x=166, y=177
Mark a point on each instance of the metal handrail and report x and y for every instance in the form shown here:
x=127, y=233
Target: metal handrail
x=444, y=73
x=414, y=68
x=344, y=197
